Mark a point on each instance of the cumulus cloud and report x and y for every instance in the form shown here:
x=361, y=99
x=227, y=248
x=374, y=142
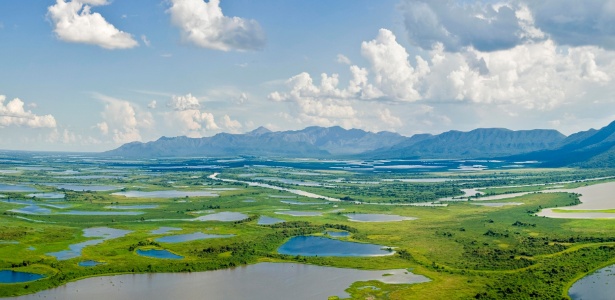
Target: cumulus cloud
x=342, y=59
x=388, y=118
x=457, y=24
x=203, y=24
x=188, y=118
x=123, y=120
x=152, y=104
x=538, y=76
x=577, y=23
x=75, y=22
x=231, y=125
x=13, y=113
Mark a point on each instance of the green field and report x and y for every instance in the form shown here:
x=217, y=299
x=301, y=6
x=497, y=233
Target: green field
x=467, y=251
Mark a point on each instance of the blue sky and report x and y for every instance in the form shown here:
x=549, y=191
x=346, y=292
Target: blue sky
x=90, y=75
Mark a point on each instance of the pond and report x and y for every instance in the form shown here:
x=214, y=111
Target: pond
x=377, y=218
x=191, y=237
x=142, y=206
x=291, y=281
x=47, y=195
x=296, y=213
x=163, y=230
x=166, y=194
x=10, y=276
x=15, y=188
x=598, y=285
x=105, y=233
x=264, y=220
x=225, y=216
x=302, y=203
x=156, y=253
x=89, y=263
x=84, y=188
x=322, y=246
x=101, y=213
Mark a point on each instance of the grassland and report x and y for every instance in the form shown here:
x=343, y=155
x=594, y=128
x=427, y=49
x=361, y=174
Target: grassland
x=467, y=251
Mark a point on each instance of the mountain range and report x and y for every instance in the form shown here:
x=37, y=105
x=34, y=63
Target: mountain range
x=591, y=148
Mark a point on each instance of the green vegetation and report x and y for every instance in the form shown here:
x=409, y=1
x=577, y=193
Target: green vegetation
x=467, y=251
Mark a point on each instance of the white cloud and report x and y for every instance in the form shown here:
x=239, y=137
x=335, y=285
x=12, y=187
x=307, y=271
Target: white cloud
x=187, y=117
x=389, y=119
x=342, y=59
x=123, y=120
x=187, y=102
x=145, y=40
x=74, y=22
x=243, y=98
x=231, y=125
x=103, y=127
x=13, y=114
x=152, y=105
x=203, y=24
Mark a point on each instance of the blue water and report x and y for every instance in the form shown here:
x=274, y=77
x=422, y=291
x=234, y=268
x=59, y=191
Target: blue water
x=105, y=233
x=47, y=195
x=596, y=286
x=16, y=188
x=321, y=246
x=264, y=220
x=82, y=188
x=225, y=216
x=89, y=263
x=166, y=194
x=376, y=218
x=191, y=237
x=101, y=213
x=9, y=276
x=158, y=254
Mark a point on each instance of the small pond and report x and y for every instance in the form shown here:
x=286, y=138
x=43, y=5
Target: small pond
x=598, y=285
x=302, y=203
x=89, y=263
x=291, y=281
x=296, y=213
x=377, y=218
x=47, y=195
x=163, y=230
x=83, y=188
x=264, y=220
x=101, y=213
x=191, y=237
x=15, y=188
x=142, y=206
x=166, y=194
x=10, y=276
x=105, y=233
x=225, y=216
x=322, y=246
x=155, y=253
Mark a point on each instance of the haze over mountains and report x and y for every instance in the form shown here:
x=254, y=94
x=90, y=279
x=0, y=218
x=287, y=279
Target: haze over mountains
x=592, y=148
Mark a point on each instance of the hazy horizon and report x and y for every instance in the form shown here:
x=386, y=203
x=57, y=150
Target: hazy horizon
x=91, y=75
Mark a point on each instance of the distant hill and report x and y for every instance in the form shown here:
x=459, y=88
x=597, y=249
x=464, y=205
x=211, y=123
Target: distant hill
x=591, y=148
x=309, y=142
x=478, y=143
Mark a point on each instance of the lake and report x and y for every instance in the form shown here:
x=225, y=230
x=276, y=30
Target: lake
x=377, y=218
x=336, y=234
x=15, y=188
x=105, y=233
x=261, y=281
x=47, y=195
x=295, y=213
x=598, y=285
x=322, y=246
x=593, y=197
x=166, y=194
x=225, y=216
x=141, y=206
x=264, y=220
x=9, y=276
x=83, y=188
x=155, y=253
x=191, y=237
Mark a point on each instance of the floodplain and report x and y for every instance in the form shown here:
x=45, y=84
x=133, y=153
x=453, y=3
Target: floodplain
x=205, y=217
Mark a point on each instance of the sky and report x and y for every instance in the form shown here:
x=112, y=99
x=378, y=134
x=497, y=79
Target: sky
x=91, y=75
